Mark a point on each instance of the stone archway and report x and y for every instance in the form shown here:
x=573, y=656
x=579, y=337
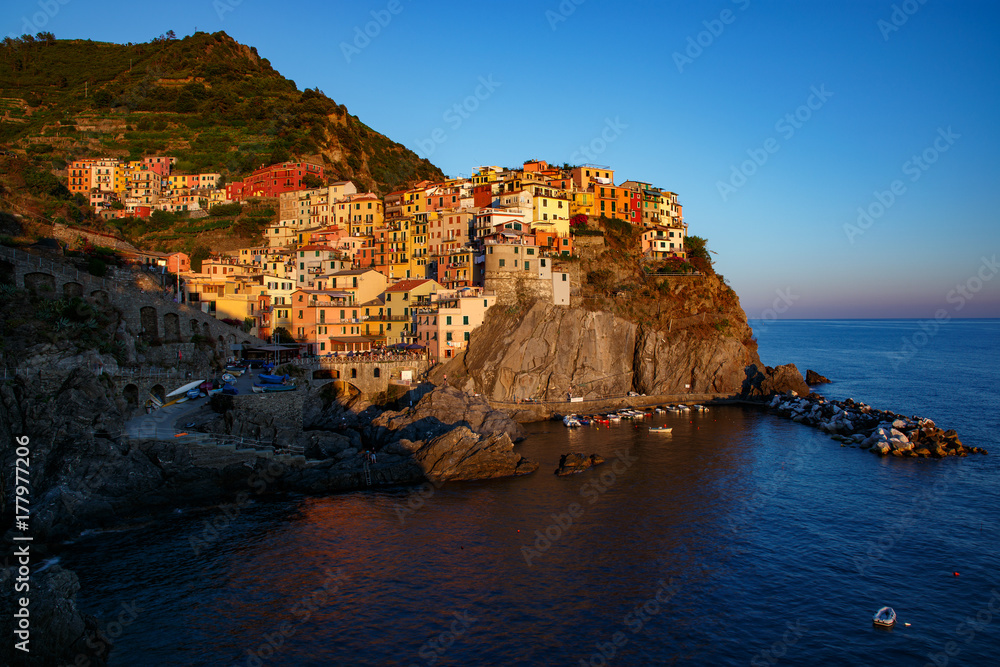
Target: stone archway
x=72, y=289
x=131, y=394
x=100, y=296
x=376, y=372
x=40, y=283
x=195, y=330
x=158, y=391
x=171, y=328
x=206, y=330
x=149, y=323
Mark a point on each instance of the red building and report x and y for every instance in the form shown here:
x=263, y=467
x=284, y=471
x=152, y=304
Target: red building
x=482, y=195
x=272, y=181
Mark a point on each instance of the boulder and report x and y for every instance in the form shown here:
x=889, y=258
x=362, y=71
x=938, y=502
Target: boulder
x=769, y=381
x=462, y=454
x=440, y=411
x=812, y=377
x=570, y=464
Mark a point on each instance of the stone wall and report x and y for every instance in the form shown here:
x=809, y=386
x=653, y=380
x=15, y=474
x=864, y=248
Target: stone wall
x=75, y=237
x=368, y=377
x=512, y=287
x=146, y=315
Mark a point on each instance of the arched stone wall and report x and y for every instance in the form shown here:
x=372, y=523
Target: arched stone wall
x=72, y=289
x=149, y=323
x=40, y=283
x=171, y=328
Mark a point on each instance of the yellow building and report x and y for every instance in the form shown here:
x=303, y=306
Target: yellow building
x=418, y=244
x=583, y=202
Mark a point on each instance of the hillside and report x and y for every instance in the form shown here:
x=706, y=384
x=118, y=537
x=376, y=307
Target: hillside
x=212, y=102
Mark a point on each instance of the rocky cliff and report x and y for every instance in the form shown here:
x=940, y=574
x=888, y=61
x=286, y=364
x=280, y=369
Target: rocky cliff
x=698, y=341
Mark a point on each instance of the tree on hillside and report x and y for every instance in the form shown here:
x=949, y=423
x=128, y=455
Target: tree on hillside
x=696, y=248
x=312, y=181
x=284, y=338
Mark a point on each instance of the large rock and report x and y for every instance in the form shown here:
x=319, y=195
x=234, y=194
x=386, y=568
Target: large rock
x=438, y=412
x=60, y=634
x=770, y=381
x=570, y=464
x=550, y=352
x=812, y=377
x=462, y=454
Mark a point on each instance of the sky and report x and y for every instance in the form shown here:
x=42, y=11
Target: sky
x=841, y=158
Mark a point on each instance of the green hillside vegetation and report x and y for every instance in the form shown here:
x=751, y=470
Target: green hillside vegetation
x=215, y=104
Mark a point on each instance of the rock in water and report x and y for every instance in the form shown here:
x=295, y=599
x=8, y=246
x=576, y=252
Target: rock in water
x=461, y=454
x=570, y=464
x=772, y=381
x=439, y=411
x=812, y=377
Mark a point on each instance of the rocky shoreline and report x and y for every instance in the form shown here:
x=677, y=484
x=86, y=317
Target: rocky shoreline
x=882, y=432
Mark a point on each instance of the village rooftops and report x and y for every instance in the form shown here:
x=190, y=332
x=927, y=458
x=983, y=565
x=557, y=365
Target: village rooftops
x=406, y=285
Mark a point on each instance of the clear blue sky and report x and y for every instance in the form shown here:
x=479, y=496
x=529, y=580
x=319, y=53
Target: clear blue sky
x=682, y=116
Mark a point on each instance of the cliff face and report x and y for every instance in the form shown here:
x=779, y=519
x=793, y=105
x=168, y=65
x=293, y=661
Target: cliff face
x=549, y=352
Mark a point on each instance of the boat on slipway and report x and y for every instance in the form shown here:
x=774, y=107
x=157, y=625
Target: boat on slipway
x=272, y=388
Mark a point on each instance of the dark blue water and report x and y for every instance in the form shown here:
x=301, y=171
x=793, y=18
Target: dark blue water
x=738, y=539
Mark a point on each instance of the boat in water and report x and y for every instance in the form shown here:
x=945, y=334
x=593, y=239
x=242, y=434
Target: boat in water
x=661, y=429
x=571, y=421
x=885, y=617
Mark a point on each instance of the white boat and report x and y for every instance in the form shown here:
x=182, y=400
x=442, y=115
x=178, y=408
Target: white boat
x=885, y=617
x=672, y=408
x=571, y=421
x=660, y=429
x=614, y=418
x=228, y=378
x=699, y=408
x=683, y=408
x=660, y=411
x=185, y=388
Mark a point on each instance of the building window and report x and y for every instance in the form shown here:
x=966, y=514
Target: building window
x=447, y=336
x=448, y=320
x=502, y=263
x=564, y=277
x=465, y=320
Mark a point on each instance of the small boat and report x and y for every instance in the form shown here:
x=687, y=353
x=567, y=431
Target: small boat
x=660, y=429
x=228, y=378
x=570, y=421
x=660, y=411
x=273, y=379
x=683, y=408
x=194, y=393
x=699, y=408
x=213, y=392
x=614, y=418
x=885, y=617
x=269, y=388
x=184, y=389
x=230, y=390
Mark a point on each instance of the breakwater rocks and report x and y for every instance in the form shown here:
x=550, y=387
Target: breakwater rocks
x=879, y=431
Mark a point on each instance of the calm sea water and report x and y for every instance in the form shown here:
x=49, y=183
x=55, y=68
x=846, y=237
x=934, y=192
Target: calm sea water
x=739, y=539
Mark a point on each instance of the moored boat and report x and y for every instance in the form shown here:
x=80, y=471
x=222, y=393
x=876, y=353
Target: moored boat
x=273, y=379
x=269, y=388
x=885, y=617
x=660, y=429
x=571, y=421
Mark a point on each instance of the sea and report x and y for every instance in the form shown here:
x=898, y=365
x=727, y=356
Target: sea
x=738, y=539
